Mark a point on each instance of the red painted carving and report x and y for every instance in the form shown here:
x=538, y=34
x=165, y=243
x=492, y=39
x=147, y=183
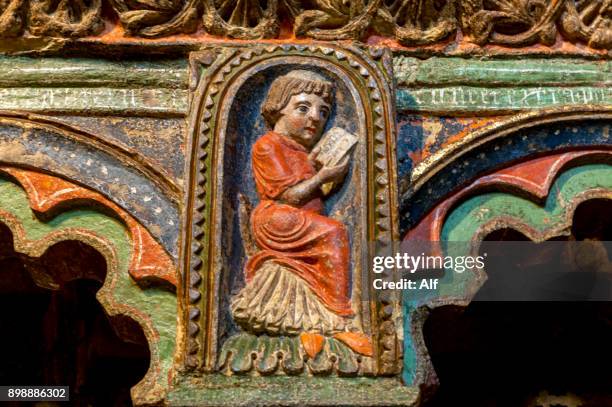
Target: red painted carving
x=314, y=246
x=312, y=343
x=356, y=341
x=45, y=193
x=534, y=177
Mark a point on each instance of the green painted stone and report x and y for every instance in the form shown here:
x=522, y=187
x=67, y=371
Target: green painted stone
x=463, y=221
x=73, y=72
x=479, y=100
x=94, y=86
x=219, y=390
x=457, y=85
x=160, y=306
x=118, y=101
x=434, y=72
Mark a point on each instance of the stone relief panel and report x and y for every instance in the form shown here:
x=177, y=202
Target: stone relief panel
x=134, y=186
x=455, y=161
x=281, y=213
x=298, y=271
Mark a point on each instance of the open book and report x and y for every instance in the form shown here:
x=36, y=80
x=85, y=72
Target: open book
x=334, y=145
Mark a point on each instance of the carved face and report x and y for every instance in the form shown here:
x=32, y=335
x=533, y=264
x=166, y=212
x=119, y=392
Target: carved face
x=303, y=118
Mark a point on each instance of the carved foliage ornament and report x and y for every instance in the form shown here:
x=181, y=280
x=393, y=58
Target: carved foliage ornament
x=588, y=21
x=11, y=18
x=511, y=22
x=417, y=22
x=54, y=18
x=154, y=18
x=67, y=18
x=523, y=22
x=410, y=22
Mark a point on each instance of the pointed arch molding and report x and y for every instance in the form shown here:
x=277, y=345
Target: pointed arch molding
x=42, y=210
x=47, y=195
x=499, y=129
x=118, y=174
x=366, y=74
x=511, y=139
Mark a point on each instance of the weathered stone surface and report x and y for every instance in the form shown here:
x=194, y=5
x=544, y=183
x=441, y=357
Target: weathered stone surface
x=149, y=262
x=89, y=72
x=472, y=87
x=94, y=87
x=136, y=90
x=157, y=140
x=454, y=161
x=96, y=101
x=216, y=390
x=110, y=171
x=537, y=72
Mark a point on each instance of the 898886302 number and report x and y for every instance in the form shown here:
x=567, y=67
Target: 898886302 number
x=34, y=393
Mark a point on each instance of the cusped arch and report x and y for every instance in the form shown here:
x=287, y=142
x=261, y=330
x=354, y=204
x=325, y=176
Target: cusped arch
x=153, y=308
x=547, y=188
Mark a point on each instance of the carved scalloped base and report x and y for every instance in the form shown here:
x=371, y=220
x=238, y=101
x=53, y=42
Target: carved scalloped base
x=219, y=390
x=245, y=353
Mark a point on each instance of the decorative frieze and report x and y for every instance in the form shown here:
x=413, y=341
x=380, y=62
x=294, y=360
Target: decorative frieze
x=509, y=23
x=146, y=102
x=491, y=100
x=468, y=87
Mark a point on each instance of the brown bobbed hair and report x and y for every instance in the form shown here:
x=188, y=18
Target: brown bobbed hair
x=291, y=84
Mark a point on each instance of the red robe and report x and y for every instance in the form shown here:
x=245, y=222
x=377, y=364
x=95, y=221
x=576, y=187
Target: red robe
x=313, y=246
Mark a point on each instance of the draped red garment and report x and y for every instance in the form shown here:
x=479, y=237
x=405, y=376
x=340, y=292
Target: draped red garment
x=313, y=246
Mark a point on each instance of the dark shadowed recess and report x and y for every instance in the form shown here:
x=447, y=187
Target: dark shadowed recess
x=54, y=331
x=493, y=354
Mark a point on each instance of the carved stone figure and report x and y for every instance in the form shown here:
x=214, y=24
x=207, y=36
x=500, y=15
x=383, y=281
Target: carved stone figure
x=299, y=280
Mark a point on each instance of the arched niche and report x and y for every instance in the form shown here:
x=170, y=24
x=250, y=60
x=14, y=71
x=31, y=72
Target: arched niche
x=58, y=333
x=225, y=123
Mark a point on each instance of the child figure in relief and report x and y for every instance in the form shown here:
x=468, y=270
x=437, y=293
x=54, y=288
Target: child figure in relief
x=298, y=282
